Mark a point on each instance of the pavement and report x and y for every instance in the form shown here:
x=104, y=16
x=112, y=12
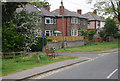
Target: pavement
x=43, y=69
x=39, y=70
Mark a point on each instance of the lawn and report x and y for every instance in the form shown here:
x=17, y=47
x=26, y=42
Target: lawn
x=10, y=66
x=99, y=46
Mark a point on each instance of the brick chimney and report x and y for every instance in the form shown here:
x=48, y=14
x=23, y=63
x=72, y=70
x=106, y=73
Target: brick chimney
x=61, y=10
x=48, y=9
x=79, y=11
x=95, y=12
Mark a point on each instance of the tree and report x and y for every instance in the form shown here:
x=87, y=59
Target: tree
x=41, y=4
x=11, y=40
x=27, y=25
x=110, y=27
x=8, y=8
x=107, y=7
x=102, y=35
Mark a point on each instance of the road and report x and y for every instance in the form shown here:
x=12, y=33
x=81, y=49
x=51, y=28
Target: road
x=102, y=66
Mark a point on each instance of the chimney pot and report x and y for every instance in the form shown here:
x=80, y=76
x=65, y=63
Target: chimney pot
x=79, y=11
x=61, y=10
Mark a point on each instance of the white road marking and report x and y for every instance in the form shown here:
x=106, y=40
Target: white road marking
x=112, y=73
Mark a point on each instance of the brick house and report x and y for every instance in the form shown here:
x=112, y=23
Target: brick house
x=48, y=20
x=73, y=21
x=95, y=22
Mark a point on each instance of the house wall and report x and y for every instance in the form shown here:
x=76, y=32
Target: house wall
x=97, y=24
x=91, y=25
x=47, y=26
x=60, y=26
x=82, y=24
x=102, y=24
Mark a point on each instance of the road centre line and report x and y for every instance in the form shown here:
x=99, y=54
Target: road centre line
x=112, y=73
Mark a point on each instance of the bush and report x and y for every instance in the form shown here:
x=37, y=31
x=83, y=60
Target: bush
x=39, y=45
x=116, y=35
x=49, y=40
x=91, y=34
x=43, y=57
x=83, y=33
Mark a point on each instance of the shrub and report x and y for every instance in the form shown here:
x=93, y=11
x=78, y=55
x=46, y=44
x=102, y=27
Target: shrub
x=116, y=35
x=43, y=57
x=83, y=33
x=91, y=34
x=39, y=45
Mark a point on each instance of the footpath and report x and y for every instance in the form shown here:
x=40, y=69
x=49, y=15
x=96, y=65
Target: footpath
x=43, y=69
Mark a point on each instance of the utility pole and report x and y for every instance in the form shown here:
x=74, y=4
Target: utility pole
x=63, y=24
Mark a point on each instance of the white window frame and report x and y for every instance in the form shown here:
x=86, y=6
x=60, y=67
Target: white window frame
x=51, y=20
x=74, y=20
x=74, y=32
x=50, y=32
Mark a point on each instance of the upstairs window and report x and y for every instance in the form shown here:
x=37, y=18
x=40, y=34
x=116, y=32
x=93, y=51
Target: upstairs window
x=49, y=20
x=74, y=20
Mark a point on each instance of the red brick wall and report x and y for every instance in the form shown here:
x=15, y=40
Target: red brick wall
x=60, y=26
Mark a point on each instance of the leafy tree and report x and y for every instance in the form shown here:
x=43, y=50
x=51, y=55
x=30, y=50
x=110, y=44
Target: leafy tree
x=110, y=27
x=11, y=40
x=8, y=8
x=27, y=25
x=102, y=34
x=107, y=7
x=41, y=4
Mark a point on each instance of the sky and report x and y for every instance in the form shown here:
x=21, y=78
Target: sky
x=72, y=5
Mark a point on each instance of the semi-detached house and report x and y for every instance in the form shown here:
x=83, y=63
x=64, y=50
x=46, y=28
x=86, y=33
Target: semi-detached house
x=48, y=20
x=73, y=21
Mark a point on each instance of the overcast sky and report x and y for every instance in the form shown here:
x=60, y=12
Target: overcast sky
x=72, y=5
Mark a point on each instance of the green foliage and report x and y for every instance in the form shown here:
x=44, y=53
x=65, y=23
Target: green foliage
x=23, y=63
x=116, y=35
x=39, y=45
x=11, y=40
x=49, y=40
x=109, y=8
x=27, y=24
x=92, y=47
x=41, y=4
x=43, y=57
x=102, y=34
x=8, y=8
x=83, y=33
x=110, y=27
x=91, y=34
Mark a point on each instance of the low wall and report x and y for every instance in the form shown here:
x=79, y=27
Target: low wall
x=58, y=45
x=74, y=43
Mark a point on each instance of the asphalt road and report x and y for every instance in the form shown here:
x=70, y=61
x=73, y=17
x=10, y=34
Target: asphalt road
x=102, y=66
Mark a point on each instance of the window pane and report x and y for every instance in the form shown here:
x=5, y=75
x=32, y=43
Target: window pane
x=47, y=21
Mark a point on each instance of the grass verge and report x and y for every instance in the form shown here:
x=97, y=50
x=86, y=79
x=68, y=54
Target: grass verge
x=99, y=46
x=18, y=64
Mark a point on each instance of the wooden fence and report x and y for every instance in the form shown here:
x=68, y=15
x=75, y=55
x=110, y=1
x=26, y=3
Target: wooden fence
x=12, y=54
x=66, y=38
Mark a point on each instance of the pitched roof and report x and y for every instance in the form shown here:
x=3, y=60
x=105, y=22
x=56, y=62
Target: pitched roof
x=91, y=16
x=42, y=11
x=67, y=13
